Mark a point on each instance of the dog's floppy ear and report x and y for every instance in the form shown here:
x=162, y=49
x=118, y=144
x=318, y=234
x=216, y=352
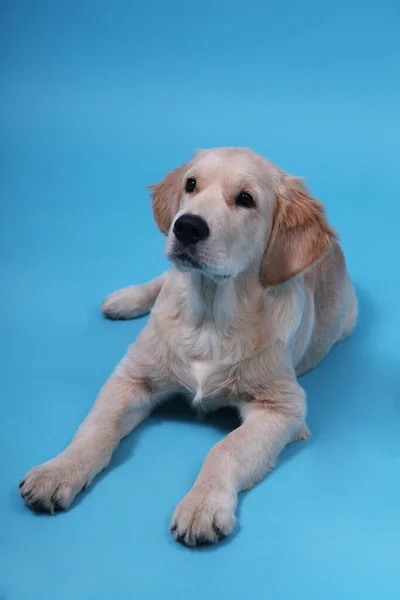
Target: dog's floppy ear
x=165, y=196
x=300, y=233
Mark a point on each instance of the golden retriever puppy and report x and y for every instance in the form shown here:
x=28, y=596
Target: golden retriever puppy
x=258, y=293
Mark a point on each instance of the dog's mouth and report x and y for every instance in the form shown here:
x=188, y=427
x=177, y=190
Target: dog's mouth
x=186, y=262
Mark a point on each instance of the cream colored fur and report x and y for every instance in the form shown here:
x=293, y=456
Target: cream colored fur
x=270, y=298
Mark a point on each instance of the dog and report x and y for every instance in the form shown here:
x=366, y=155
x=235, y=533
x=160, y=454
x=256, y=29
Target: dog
x=258, y=293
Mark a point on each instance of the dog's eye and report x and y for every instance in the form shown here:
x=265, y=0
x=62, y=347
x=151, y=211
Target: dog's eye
x=190, y=185
x=245, y=199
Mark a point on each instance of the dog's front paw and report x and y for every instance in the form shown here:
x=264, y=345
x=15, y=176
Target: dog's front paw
x=52, y=486
x=203, y=517
x=127, y=303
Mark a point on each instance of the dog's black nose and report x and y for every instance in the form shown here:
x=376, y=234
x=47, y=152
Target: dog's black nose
x=191, y=229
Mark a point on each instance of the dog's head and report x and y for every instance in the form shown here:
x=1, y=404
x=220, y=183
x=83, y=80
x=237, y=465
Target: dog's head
x=229, y=210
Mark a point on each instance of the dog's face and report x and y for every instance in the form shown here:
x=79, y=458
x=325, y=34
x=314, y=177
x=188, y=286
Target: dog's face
x=230, y=210
x=226, y=206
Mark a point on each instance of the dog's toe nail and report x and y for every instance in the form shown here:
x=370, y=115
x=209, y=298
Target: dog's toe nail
x=218, y=531
x=39, y=506
x=21, y=483
x=56, y=503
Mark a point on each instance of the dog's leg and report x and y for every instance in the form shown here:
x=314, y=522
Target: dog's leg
x=122, y=404
x=207, y=512
x=133, y=301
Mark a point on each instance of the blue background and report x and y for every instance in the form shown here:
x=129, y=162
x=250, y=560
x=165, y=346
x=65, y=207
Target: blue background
x=99, y=99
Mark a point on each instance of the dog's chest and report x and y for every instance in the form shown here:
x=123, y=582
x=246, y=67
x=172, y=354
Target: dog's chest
x=201, y=372
x=208, y=382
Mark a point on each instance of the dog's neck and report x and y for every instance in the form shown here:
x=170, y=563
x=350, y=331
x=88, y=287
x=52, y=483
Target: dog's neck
x=202, y=319
x=223, y=301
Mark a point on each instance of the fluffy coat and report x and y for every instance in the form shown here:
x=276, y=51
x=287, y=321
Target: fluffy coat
x=234, y=322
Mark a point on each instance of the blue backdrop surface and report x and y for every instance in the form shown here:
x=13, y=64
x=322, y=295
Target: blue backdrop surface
x=99, y=99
